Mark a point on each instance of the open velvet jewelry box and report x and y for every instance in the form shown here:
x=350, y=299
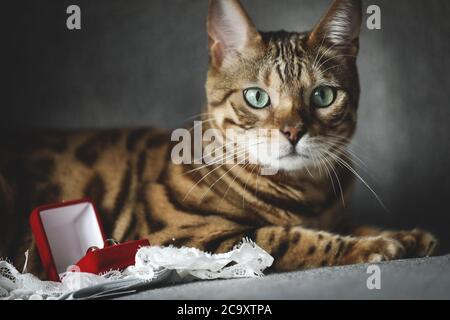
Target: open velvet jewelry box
x=70, y=234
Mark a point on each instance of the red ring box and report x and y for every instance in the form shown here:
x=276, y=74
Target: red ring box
x=65, y=232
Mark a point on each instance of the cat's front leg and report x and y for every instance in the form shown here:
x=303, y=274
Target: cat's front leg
x=299, y=248
x=417, y=242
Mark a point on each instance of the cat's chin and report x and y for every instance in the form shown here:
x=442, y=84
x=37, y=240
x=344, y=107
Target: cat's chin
x=287, y=158
x=293, y=162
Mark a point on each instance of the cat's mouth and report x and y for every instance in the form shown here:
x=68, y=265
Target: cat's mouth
x=293, y=154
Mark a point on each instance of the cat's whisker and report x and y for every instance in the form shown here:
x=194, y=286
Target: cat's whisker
x=219, y=161
x=356, y=174
x=321, y=159
x=322, y=72
x=214, y=169
x=337, y=141
x=200, y=180
x=237, y=152
x=318, y=51
x=245, y=187
x=349, y=144
x=343, y=150
x=343, y=140
x=315, y=162
x=224, y=146
x=234, y=179
x=211, y=186
x=228, y=188
x=334, y=57
x=199, y=115
x=306, y=167
x=324, y=54
x=350, y=157
x=211, y=171
x=201, y=123
x=256, y=183
x=340, y=139
x=337, y=178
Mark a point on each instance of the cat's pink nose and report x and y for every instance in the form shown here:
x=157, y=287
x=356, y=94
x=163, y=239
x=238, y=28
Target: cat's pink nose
x=293, y=134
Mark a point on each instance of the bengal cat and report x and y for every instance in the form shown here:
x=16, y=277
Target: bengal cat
x=304, y=85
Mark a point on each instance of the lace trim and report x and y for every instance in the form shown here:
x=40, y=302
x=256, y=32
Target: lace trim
x=245, y=260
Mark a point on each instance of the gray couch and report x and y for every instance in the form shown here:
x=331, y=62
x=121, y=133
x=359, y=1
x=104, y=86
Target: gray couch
x=427, y=278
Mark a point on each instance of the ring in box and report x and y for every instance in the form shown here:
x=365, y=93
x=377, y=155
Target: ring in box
x=70, y=233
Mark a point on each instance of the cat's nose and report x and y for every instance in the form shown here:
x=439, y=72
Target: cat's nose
x=294, y=134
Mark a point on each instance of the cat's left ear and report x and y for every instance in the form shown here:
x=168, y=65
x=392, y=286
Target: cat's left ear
x=230, y=30
x=339, y=27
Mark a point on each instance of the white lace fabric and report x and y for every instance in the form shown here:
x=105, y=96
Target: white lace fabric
x=245, y=260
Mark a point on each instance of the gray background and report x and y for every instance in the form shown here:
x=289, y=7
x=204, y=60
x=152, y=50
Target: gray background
x=141, y=63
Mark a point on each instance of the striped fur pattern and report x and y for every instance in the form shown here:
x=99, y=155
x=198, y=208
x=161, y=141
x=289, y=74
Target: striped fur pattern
x=295, y=214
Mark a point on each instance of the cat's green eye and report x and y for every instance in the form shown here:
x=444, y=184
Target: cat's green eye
x=256, y=98
x=323, y=96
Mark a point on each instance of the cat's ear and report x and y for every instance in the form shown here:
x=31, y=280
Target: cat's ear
x=230, y=30
x=339, y=26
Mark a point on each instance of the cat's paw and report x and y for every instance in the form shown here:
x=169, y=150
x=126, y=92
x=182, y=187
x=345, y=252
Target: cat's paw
x=417, y=243
x=373, y=249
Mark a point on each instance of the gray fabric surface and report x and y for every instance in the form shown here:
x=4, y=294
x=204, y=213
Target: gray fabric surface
x=427, y=278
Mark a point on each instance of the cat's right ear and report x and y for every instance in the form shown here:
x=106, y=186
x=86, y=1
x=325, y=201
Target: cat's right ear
x=230, y=31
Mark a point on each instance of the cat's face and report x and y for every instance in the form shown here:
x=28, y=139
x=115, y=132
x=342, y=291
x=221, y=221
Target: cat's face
x=302, y=87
